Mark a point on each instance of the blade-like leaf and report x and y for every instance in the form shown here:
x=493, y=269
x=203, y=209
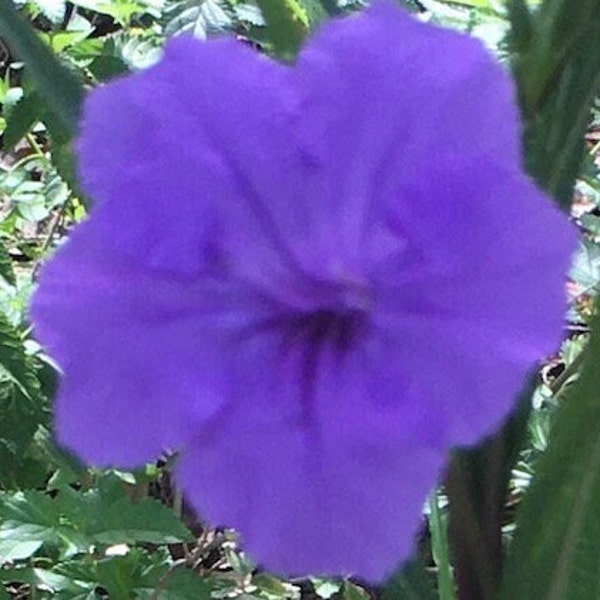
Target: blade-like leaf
x=476, y=485
x=556, y=551
x=557, y=69
x=57, y=85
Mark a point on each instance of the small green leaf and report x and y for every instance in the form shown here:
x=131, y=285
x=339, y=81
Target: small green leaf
x=325, y=588
x=179, y=584
x=351, y=591
x=124, y=521
x=288, y=25
x=410, y=583
x=45, y=578
x=28, y=520
x=474, y=3
x=201, y=18
x=13, y=360
x=28, y=110
x=315, y=11
x=6, y=268
x=53, y=10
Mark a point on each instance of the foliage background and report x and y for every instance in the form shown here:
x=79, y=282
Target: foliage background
x=71, y=532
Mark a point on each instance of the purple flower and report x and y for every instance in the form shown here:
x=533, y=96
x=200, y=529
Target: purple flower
x=311, y=280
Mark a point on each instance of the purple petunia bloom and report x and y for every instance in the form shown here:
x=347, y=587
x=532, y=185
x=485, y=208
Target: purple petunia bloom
x=311, y=280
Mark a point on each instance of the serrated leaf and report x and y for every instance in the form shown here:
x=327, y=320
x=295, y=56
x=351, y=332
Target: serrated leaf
x=586, y=266
x=556, y=550
x=22, y=410
x=29, y=517
x=201, y=18
x=14, y=361
x=28, y=110
x=18, y=424
x=123, y=11
x=138, y=574
x=53, y=10
x=180, y=584
x=97, y=517
x=125, y=521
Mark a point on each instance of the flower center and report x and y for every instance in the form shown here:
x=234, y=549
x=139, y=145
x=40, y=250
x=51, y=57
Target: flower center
x=332, y=332
x=337, y=328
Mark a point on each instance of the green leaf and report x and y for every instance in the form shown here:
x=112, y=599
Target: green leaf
x=556, y=551
x=14, y=361
x=124, y=521
x=18, y=424
x=22, y=410
x=586, y=267
x=331, y=8
x=557, y=68
x=200, y=18
x=179, y=584
x=6, y=268
x=56, y=84
x=351, y=591
x=440, y=548
x=121, y=10
x=21, y=119
x=288, y=25
x=72, y=521
x=410, y=583
x=138, y=574
x=473, y=3
x=476, y=485
x=28, y=520
x=46, y=579
x=316, y=12
x=53, y=10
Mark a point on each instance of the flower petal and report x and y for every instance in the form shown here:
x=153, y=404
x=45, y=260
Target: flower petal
x=340, y=494
x=481, y=303
x=384, y=98
x=169, y=155
x=139, y=349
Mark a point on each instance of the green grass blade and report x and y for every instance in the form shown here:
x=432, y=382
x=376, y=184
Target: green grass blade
x=438, y=526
